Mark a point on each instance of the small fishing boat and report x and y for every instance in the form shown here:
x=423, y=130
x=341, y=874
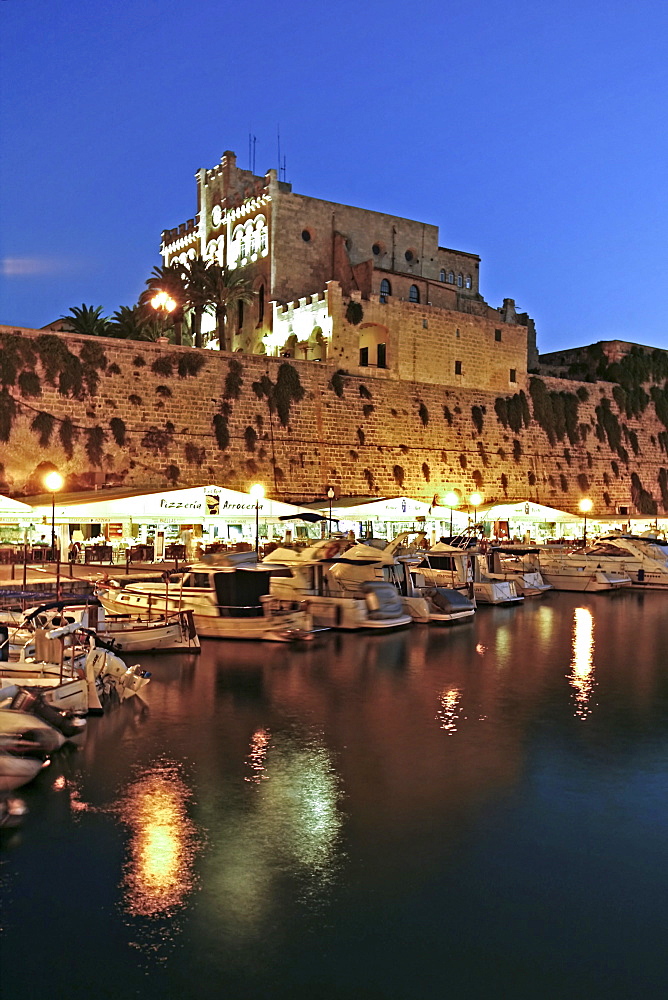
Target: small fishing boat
x=228, y=596
x=143, y=633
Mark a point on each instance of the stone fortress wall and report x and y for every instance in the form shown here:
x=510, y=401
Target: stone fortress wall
x=143, y=415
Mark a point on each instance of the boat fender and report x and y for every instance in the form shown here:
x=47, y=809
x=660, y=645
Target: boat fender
x=330, y=550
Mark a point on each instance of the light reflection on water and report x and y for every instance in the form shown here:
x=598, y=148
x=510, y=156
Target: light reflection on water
x=351, y=849
x=582, y=663
x=159, y=873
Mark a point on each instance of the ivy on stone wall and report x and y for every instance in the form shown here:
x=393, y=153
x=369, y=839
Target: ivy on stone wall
x=233, y=380
x=43, y=424
x=68, y=434
x=164, y=391
x=368, y=409
x=172, y=474
x=663, y=486
x=517, y=450
x=221, y=430
x=426, y=471
x=283, y=393
x=447, y=415
x=117, y=428
x=29, y=384
x=477, y=418
x=398, y=475
x=583, y=482
x=483, y=454
x=642, y=498
x=368, y=475
x=364, y=392
x=336, y=383
x=424, y=414
x=7, y=414
x=250, y=438
x=135, y=399
x=95, y=438
x=361, y=436
x=194, y=454
x=157, y=440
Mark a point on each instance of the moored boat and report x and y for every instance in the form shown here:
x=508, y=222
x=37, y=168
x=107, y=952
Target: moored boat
x=228, y=596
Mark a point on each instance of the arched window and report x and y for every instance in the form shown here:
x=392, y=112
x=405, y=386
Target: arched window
x=442, y=275
x=460, y=280
x=385, y=290
x=260, y=304
x=467, y=281
x=414, y=294
x=451, y=277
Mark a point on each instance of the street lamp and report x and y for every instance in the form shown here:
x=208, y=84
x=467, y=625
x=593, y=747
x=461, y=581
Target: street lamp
x=475, y=500
x=585, y=506
x=163, y=302
x=330, y=494
x=53, y=482
x=452, y=501
x=257, y=492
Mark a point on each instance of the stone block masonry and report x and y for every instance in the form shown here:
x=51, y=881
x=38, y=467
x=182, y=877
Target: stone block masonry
x=142, y=415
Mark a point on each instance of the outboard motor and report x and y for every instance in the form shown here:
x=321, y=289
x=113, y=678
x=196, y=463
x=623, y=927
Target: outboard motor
x=4, y=643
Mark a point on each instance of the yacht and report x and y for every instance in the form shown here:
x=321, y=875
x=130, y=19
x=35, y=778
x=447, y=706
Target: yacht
x=227, y=593
x=465, y=569
x=642, y=557
x=506, y=562
x=577, y=571
x=342, y=590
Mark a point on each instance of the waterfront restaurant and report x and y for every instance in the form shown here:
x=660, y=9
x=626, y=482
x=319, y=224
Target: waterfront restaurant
x=387, y=517
x=170, y=523
x=528, y=521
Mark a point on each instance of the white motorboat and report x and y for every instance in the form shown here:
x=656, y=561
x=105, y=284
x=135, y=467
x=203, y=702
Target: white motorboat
x=642, y=557
x=228, y=596
x=333, y=599
x=26, y=743
x=426, y=602
x=147, y=633
x=67, y=683
x=577, y=571
x=465, y=569
x=507, y=563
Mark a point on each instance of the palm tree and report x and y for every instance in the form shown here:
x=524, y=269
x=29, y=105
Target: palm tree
x=87, y=320
x=197, y=294
x=132, y=323
x=226, y=289
x=171, y=279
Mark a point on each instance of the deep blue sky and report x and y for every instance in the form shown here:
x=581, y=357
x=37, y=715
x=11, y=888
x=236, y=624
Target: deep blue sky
x=532, y=133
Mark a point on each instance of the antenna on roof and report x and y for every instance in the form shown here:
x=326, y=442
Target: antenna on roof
x=278, y=140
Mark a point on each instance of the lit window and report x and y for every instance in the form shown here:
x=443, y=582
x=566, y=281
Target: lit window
x=467, y=281
x=385, y=290
x=451, y=277
x=460, y=280
x=458, y=367
x=414, y=294
x=442, y=275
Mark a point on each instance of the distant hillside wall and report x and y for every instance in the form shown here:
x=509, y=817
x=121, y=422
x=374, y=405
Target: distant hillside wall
x=107, y=411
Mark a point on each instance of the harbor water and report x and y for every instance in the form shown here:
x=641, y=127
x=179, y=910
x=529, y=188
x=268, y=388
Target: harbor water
x=469, y=812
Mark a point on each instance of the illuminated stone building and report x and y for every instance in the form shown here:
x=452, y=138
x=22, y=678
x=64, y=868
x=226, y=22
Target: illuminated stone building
x=347, y=285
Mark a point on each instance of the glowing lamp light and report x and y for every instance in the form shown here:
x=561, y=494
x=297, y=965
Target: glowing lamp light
x=586, y=505
x=53, y=481
x=451, y=499
x=475, y=499
x=164, y=301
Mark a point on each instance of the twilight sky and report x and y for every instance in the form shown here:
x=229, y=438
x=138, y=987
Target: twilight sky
x=533, y=134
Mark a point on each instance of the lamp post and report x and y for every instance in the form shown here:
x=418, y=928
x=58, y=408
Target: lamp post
x=257, y=492
x=452, y=500
x=53, y=482
x=475, y=500
x=330, y=494
x=585, y=506
x=163, y=303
